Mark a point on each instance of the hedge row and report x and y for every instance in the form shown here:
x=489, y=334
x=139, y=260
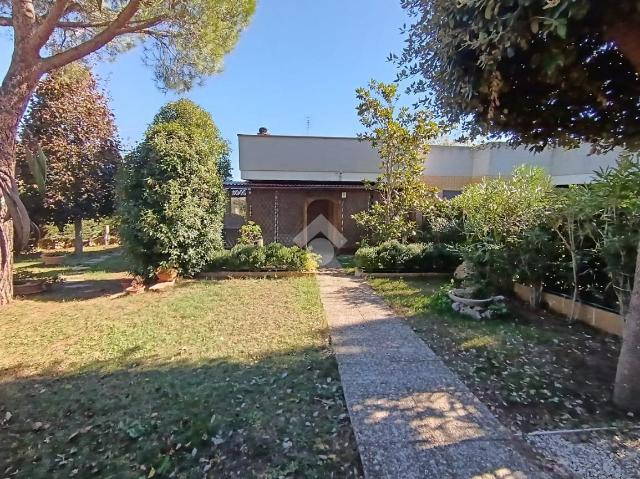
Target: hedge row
x=273, y=257
x=393, y=256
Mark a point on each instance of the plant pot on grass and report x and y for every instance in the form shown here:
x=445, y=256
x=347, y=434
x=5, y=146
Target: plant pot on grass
x=133, y=286
x=52, y=259
x=166, y=274
x=27, y=287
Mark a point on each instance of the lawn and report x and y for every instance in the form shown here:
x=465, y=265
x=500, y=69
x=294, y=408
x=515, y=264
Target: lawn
x=210, y=379
x=534, y=371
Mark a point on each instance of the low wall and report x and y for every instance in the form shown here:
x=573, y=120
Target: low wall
x=602, y=319
x=361, y=273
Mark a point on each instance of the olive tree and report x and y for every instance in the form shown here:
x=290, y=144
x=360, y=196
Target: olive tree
x=183, y=40
x=540, y=72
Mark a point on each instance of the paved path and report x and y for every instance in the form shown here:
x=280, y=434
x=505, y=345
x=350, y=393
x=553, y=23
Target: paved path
x=413, y=418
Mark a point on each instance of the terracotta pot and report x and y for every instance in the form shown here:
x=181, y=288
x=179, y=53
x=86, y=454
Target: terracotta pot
x=24, y=288
x=135, y=289
x=52, y=259
x=165, y=275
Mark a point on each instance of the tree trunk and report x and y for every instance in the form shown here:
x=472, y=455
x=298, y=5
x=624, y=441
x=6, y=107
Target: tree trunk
x=78, y=244
x=626, y=393
x=15, y=92
x=6, y=267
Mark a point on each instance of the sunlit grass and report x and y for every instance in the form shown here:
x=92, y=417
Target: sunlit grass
x=231, y=378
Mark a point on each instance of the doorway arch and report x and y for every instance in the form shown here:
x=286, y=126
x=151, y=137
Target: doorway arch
x=324, y=207
x=321, y=237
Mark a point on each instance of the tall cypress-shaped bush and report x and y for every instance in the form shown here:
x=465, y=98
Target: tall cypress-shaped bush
x=171, y=195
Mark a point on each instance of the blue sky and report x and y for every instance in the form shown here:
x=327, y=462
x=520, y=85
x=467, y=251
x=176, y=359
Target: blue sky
x=298, y=58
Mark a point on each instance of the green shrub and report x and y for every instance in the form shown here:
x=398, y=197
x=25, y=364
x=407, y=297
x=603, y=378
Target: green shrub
x=273, y=257
x=250, y=233
x=393, y=256
x=170, y=192
x=439, y=301
x=51, y=236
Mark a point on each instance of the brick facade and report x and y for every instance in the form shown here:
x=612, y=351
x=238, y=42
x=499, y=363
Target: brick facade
x=281, y=211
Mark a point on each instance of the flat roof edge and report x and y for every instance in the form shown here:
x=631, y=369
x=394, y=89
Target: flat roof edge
x=302, y=136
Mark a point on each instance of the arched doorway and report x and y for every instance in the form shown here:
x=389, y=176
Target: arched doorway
x=321, y=228
x=322, y=207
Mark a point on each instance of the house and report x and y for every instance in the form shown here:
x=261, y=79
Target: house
x=289, y=181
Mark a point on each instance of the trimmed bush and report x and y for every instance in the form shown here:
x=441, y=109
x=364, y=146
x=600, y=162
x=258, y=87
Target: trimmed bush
x=273, y=257
x=171, y=196
x=393, y=256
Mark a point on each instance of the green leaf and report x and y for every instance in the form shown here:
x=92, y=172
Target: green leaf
x=17, y=212
x=488, y=10
x=535, y=25
x=561, y=28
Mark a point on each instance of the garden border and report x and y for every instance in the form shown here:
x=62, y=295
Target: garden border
x=365, y=275
x=219, y=275
x=598, y=318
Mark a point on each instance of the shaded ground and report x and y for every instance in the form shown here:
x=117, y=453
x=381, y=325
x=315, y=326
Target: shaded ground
x=538, y=372
x=211, y=379
x=534, y=372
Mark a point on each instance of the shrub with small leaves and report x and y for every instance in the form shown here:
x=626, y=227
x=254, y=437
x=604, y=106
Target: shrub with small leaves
x=393, y=256
x=439, y=301
x=273, y=257
x=171, y=196
x=250, y=233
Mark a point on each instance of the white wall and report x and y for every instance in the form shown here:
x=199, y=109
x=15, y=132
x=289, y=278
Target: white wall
x=304, y=158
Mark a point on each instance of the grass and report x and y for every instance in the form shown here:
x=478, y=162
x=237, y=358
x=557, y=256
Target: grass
x=210, y=379
x=29, y=266
x=534, y=370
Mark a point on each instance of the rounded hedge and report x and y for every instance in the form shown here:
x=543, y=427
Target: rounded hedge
x=393, y=256
x=171, y=199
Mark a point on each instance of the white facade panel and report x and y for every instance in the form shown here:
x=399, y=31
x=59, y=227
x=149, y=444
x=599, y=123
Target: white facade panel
x=449, y=161
x=305, y=158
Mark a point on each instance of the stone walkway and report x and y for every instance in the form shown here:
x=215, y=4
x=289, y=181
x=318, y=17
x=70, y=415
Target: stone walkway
x=412, y=417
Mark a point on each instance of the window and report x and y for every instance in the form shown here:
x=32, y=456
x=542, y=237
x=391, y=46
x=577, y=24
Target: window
x=448, y=194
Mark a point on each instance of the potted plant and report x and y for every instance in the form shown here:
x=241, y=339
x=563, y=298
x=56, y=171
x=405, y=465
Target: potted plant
x=53, y=258
x=136, y=286
x=251, y=233
x=166, y=273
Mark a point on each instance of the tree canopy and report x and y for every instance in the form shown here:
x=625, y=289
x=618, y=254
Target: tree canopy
x=183, y=41
x=191, y=115
x=538, y=71
x=70, y=121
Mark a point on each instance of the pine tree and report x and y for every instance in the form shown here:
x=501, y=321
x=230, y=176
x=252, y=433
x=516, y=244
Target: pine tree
x=70, y=121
